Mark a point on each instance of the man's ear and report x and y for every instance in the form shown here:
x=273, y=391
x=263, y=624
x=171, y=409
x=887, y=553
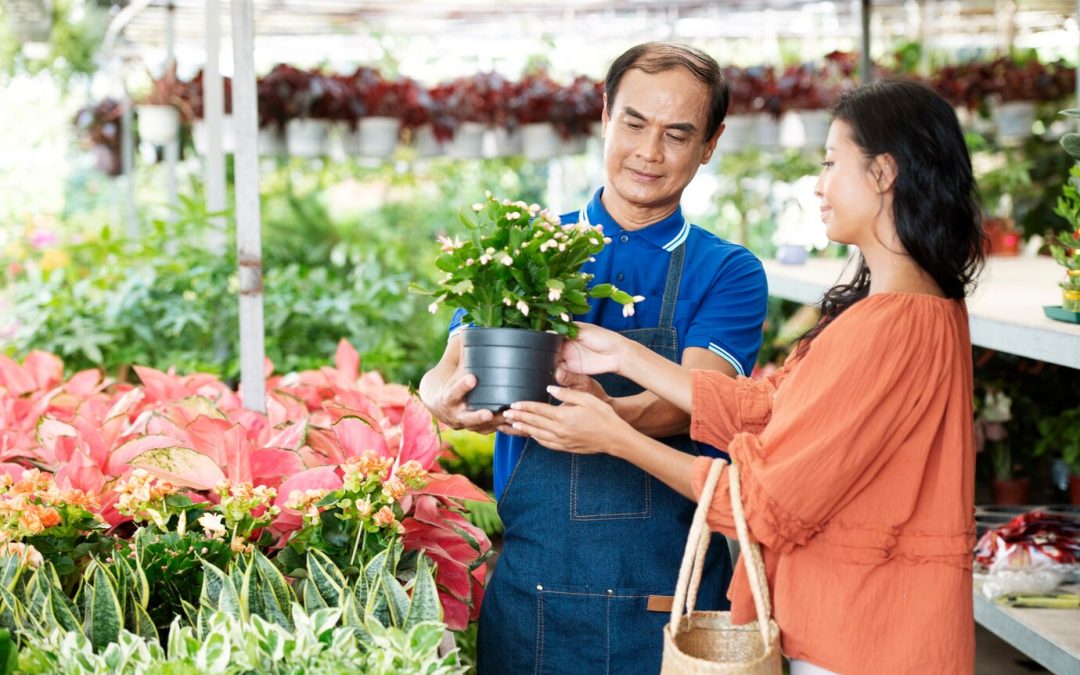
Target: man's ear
x=884, y=171
x=710, y=147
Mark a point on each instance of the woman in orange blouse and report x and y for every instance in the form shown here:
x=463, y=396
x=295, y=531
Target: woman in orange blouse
x=856, y=456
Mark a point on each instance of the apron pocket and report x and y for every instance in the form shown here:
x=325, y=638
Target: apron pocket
x=589, y=631
x=605, y=488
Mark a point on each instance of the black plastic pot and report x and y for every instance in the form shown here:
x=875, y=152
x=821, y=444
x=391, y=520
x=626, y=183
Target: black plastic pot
x=510, y=364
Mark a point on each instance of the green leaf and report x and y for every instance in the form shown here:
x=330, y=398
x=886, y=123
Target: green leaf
x=9, y=654
x=324, y=579
x=273, y=580
x=425, y=605
x=219, y=593
x=397, y=599
x=105, y=619
x=601, y=291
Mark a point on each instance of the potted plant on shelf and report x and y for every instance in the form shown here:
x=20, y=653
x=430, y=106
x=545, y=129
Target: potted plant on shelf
x=1004, y=178
x=372, y=108
x=1065, y=246
x=476, y=103
x=164, y=108
x=1060, y=435
x=196, y=98
x=533, y=106
x=517, y=274
x=991, y=415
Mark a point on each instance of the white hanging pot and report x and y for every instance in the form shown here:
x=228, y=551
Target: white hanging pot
x=158, y=124
x=815, y=127
x=228, y=135
x=427, y=144
x=738, y=132
x=507, y=143
x=307, y=137
x=272, y=142
x=575, y=145
x=468, y=141
x=1014, y=120
x=540, y=141
x=766, y=132
x=377, y=136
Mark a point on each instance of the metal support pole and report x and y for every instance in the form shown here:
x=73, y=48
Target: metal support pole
x=213, y=112
x=866, y=66
x=172, y=148
x=248, y=221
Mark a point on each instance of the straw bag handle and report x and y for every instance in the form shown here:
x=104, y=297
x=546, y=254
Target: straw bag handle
x=697, y=544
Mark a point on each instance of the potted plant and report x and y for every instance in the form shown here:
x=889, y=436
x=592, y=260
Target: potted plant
x=517, y=275
x=1015, y=88
x=476, y=103
x=1060, y=435
x=425, y=121
x=162, y=111
x=533, y=107
x=1065, y=246
x=99, y=128
x=373, y=110
x=575, y=109
x=991, y=414
x=1004, y=177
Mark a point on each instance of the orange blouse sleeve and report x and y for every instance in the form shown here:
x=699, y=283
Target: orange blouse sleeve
x=724, y=406
x=839, y=416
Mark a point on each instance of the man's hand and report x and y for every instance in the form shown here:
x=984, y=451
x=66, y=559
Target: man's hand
x=452, y=409
x=595, y=350
x=579, y=382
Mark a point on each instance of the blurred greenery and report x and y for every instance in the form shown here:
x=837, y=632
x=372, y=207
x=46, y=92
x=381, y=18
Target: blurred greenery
x=338, y=260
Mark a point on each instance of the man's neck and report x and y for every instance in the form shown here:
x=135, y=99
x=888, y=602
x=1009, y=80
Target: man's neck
x=631, y=217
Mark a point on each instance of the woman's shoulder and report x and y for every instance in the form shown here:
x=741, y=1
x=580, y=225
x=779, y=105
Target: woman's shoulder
x=900, y=318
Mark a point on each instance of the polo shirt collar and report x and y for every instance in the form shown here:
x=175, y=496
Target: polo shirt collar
x=667, y=234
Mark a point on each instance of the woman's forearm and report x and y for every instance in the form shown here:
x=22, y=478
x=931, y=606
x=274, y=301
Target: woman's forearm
x=666, y=379
x=672, y=467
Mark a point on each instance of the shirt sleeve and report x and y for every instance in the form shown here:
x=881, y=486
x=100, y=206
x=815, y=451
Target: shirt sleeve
x=724, y=406
x=831, y=431
x=455, y=324
x=731, y=317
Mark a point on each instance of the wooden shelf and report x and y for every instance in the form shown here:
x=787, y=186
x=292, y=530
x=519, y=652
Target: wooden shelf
x=1006, y=310
x=1049, y=636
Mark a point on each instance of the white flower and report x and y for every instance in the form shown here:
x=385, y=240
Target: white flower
x=506, y=260
x=638, y=298
x=485, y=259
x=507, y=301
x=487, y=193
x=433, y=307
x=522, y=307
x=449, y=244
x=513, y=215
x=477, y=207
x=564, y=316
x=562, y=247
x=628, y=310
x=554, y=294
x=506, y=202
x=212, y=526
x=469, y=261
x=607, y=240
x=592, y=259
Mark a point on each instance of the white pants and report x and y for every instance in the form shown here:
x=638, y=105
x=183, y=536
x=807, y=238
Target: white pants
x=800, y=667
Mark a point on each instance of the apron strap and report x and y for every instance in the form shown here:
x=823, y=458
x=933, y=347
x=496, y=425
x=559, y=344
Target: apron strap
x=671, y=286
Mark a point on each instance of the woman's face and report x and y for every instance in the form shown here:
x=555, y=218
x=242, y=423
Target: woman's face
x=850, y=191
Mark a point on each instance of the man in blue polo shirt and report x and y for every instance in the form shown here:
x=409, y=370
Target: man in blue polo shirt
x=592, y=545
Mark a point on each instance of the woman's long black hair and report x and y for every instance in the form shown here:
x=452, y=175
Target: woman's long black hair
x=935, y=199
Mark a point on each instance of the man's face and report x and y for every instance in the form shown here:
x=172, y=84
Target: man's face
x=654, y=138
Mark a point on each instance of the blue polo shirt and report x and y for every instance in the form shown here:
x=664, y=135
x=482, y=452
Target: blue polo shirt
x=721, y=304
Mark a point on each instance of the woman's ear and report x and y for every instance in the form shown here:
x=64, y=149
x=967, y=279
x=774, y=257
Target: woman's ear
x=884, y=171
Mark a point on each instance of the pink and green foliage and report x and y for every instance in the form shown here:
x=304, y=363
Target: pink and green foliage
x=193, y=432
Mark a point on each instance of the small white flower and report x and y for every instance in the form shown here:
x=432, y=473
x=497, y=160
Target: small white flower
x=522, y=307
x=449, y=244
x=212, y=526
x=592, y=259
x=638, y=298
x=469, y=261
x=506, y=202
x=513, y=215
x=562, y=247
x=477, y=207
x=507, y=302
x=554, y=294
x=485, y=259
x=607, y=240
x=487, y=193
x=506, y=260
x=628, y=310
x=564, y=316
x=433, y=307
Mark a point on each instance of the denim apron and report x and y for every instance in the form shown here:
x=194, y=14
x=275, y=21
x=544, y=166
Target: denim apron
x=587, y=540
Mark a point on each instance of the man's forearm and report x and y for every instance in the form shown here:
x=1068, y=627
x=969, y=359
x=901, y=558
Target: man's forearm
x=651, y=415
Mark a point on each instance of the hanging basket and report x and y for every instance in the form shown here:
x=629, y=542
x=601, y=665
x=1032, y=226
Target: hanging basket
x=158, y=124
x=272, y=142
x=706, y=642
x=468, y=141
x=766, y=132
x=508, y=143
x=738, y=133
x=427, y=144
x=510, y=364
x=307, y=137
x=815, y=127
x=540, y=141
x=377, y=136
x=1013, y=121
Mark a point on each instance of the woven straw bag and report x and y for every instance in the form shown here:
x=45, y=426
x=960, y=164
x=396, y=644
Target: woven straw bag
x=704, y=643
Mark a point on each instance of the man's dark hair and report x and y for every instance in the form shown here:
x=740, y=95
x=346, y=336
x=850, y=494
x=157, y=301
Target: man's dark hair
x=657, y=57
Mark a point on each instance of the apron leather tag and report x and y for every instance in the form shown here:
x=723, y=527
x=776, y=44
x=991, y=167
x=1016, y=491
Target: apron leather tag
x=660, y=603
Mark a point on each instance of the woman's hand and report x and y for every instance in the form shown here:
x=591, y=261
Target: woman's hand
x=583, y=424
x=594, y=350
